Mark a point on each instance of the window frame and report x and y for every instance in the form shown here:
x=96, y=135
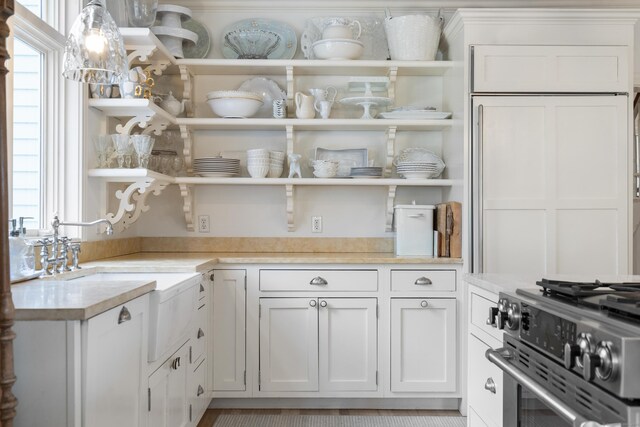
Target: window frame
x=61, y=175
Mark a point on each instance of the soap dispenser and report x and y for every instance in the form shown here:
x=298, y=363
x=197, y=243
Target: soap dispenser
x=22, y=259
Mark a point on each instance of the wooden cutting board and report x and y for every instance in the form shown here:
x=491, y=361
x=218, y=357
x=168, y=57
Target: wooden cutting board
x=448, y=222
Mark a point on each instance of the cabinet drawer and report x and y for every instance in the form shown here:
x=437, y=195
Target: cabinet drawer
x=423, y=280
x=482, y=375
x=197, y=393
x=502, y=68
x=203, y=288
x=319, y=280
x=199, y=337
x=479, y=307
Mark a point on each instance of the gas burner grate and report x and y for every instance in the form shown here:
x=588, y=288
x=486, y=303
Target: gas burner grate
x=574, y=289
x=623, y=304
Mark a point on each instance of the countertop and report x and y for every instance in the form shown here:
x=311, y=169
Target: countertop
x=195, y=262
x=496, y=283
x=51, y=299
x=69, y=300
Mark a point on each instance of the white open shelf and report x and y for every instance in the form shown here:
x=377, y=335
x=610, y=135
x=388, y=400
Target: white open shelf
x=381, y=182
x=117, y=107
x=313, y=124
x=142, y=40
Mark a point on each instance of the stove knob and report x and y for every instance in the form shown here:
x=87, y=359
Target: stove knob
x=513, y=316
x=571, y=353
x=602, y=363
x=503, y=313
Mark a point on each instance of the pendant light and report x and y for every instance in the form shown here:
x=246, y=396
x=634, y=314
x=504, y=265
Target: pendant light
x=94, y=51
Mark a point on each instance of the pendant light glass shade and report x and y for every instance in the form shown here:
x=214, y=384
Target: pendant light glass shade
x=94, y=52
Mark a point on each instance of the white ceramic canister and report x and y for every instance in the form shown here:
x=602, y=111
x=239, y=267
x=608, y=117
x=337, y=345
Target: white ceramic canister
x=414, y=230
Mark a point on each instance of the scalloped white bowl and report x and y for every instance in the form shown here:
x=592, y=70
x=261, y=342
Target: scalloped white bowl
x=234, y=107
x=338, y=49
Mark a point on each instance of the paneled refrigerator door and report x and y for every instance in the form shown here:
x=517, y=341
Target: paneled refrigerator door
x=551, y=184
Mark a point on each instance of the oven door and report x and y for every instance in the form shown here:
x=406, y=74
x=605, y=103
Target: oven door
x=529, y=404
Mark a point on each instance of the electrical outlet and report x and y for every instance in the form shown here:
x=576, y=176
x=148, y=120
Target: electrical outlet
x=203, y=224
x=316, y=224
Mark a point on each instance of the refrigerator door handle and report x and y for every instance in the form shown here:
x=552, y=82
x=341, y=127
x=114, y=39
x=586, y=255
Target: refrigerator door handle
x=478, y=258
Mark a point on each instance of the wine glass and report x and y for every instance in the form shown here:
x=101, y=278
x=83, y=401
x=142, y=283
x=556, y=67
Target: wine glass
x=121, y=143
x=143, y=144
x=102, y=144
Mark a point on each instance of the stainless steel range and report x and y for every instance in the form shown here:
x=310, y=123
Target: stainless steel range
x=571, y=354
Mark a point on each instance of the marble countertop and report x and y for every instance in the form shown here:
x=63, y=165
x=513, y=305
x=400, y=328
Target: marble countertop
x=69, y=300
x=188, y=262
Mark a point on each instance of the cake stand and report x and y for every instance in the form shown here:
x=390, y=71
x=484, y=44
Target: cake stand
x=170, y=31
x=367, y=102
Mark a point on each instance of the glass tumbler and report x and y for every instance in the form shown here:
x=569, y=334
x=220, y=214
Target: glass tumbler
x=143, y=144
x=142, y=13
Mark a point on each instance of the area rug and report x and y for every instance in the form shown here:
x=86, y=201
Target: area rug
x=255, y=420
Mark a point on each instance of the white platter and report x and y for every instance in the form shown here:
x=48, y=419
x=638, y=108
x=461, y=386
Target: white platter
x=415, y=115
x=347, y=158
x=268, y=89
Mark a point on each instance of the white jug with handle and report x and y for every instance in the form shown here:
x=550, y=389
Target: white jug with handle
x=342, y=29
x=304, y=106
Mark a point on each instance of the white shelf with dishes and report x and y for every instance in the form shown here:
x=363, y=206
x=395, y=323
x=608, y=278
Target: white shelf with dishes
x=145, y=48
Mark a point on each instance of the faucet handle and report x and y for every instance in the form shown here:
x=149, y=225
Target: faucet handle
x=75, y=251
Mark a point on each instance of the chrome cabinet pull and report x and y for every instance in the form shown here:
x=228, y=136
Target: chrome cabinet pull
x=323, y=303
x=200, y=333
x=200, y=391
x=124, y=315
x=416, y=216
x=423, y=281
x=424, y=304
x=312, y=303
x=201, y=287
x=175, y=363
x=490, y=385
x=318, y=281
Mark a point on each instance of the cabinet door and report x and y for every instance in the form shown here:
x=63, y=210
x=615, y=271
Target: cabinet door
x=196, y=393
x=168, y=392
x=348, y=331
x=228, y=330
x=115, y=359
x=423, y=345
x=288, y=344
x=553, y=184
x=484, y=382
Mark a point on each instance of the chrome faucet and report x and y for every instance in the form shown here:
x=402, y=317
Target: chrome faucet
x=61, y=246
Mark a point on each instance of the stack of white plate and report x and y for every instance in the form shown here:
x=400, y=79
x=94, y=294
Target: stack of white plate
x=366, y=172
x=418, y=170
x=216, y=167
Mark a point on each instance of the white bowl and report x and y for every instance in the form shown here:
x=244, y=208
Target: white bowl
x=258, y=152
x=275, y=172
x=338, y=49
x=234, y=107
x=233, y=94
x=258, y=171
x=277, y=155
x=323, y=174
x=252, y=162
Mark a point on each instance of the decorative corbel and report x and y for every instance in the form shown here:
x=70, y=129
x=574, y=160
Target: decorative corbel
x=393, y=75
x=186, y=191
x=391, y=147
x=187, y=153
x=391, y=199
x=187, y=91
x=142, y=52
x=133, y=201
x=290, y=216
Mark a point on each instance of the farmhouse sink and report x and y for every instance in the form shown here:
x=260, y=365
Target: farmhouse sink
x=172, y=305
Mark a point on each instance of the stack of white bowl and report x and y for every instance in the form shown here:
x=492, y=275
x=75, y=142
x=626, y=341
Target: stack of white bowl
x=276, y=163
x=258, y=162
x=325, y=168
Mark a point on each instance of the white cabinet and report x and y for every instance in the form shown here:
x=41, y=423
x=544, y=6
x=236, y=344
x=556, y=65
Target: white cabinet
x=115, y=366
x=554, y=184
x=84, y=373
x=228, y=300
x=303, y=344
x=423, y=345
x=167, y=391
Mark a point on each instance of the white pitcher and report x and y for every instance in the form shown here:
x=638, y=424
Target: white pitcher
x=304, y=106
x=340, y=29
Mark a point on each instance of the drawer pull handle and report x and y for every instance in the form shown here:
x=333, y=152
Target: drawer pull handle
x=323, y=303
x=490, y=385
x=423, y=281
x=124, y=315
x=200, y=391
x=201, y=288
x=200, y=333
x=312, y=303
x=424, y=304
x=175, y=364
x=416, y=215
x=318, y=281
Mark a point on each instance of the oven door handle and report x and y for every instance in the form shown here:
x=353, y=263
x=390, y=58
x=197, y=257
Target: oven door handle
x=501, y=357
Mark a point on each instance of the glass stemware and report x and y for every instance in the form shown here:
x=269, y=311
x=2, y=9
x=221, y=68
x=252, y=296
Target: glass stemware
x=142, y=13
x=102, y=143
x=121, y=144
x=143, y=144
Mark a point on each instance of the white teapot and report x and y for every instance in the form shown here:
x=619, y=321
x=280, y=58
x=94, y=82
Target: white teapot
x=342, y=29
x=172, y=106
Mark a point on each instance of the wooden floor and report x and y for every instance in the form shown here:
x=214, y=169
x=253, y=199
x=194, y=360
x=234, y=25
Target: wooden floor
x=211, y=415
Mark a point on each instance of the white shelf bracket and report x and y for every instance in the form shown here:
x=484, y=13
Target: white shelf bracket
x=141, y=121
x=157, y=66
x=391, y=146
x=393, y=75
x=187, y=152
x=290, y=92
x=157, y=126
x=188, y=89
x=133, y=202
x=391, y=198
x=186, y=191
x=289, y=129
x=290, y=213
x=141, y=52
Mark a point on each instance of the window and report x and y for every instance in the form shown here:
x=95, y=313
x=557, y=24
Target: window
x=27, y=194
